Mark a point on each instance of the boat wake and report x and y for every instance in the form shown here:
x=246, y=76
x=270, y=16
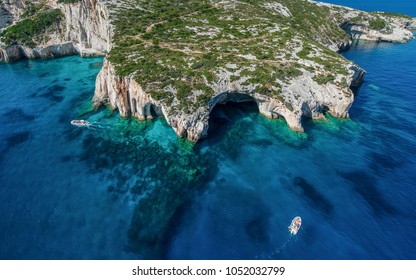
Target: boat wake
x=276, y=251
x=97, y=125
x=89, y=125
x=293, y=230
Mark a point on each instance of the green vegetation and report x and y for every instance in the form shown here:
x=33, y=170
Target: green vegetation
x=377, y=23
x=359, y=19
x=32, y=9
x=31, y=30
x=177, y=50
x=69, y=1
x=324, y=79
x=304, y=53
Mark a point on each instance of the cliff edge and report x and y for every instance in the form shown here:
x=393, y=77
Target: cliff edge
x=51, y=28
x=179, y=59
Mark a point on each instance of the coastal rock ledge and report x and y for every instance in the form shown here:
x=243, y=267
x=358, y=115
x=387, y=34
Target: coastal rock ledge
x=178, y=60
x=53, y=28
x=311, y=100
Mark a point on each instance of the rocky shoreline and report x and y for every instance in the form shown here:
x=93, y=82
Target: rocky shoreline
x=127, y=96
x=87, y=30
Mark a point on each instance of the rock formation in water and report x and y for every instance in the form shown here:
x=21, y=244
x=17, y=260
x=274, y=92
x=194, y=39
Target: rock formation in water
x=179, y=59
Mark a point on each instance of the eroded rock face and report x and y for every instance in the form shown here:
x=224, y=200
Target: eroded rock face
x=314, y=86
x=126, y=95
x=11, y=53
x=15, y=52
x=122, y=93
x=10, y=10
x=87, y=25
x=85, y=30
x=357, y=24
x=359, y=32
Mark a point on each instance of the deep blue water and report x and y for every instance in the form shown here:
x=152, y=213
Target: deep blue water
x=398, y=6
x=130, y=190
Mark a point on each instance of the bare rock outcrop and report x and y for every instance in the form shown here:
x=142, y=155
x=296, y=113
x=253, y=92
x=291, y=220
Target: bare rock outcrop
x=312, y=81
x=88, y=26
x=313, y=99
x=310, y=94
x=10, y=10
x=85, y=30
x=397, y=34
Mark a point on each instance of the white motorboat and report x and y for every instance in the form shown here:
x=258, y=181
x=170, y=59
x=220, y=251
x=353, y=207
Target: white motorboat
x=295, y=225
x=80, y=123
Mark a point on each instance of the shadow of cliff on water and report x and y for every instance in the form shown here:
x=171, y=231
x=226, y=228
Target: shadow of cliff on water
x=231, y=126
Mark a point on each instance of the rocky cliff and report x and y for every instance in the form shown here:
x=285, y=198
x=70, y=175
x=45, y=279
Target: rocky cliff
x=178, y=60
x=305, y=98
x=83, y=29
x=10, y=11
x=88, y=26
x=377, y=26
x=316, y=82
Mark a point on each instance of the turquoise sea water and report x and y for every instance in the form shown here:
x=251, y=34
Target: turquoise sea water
x=130, y=190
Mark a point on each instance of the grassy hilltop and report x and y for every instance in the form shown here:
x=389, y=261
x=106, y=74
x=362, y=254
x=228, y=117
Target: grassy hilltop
x=173, y=48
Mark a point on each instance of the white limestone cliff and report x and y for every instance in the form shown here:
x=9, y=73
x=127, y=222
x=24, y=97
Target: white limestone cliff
x=88, y=26
x=312, y=100
x=398, y=31
x=10, y=10
x=85, y=30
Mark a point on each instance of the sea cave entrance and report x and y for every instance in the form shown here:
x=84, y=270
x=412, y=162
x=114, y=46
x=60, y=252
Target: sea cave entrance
x=148, y=112
x=232, y=115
